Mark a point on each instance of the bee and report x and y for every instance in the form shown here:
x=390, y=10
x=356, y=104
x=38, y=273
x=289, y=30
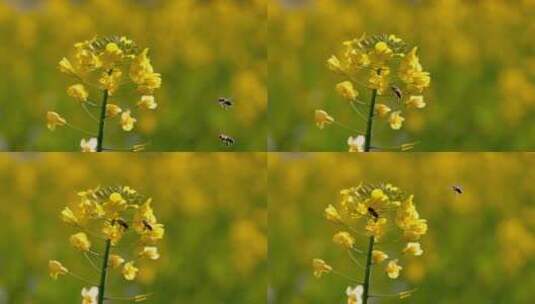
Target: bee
x=457, y=189
x=397, y=91
x=225, y=102
x=147, y=226
x=373, y=212
x=121, y=223
x=226, y=140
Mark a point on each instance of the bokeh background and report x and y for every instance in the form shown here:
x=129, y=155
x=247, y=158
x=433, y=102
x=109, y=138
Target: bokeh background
x=203, y=49
x=214, y=249
x=480, y=246
x=480, y=55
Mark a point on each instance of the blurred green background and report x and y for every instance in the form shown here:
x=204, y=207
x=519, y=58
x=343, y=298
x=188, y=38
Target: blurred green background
x=203, y=49
x=214, y=249
x=480, y=246
x=480, y=55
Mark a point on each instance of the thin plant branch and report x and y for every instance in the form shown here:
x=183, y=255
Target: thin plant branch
x=345, y=127
x=354, y=259
x=79, y=129
x=356, y=109
x=92, y=103
x=80, y=278
x=91, y=262
x=89, y=113
x=94, y=252
x=346, y=277
x=137, y=298
x=406, y=292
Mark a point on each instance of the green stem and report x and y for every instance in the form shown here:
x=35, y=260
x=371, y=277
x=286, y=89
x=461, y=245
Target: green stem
x=368, y=142
x=368, y=271
x=104, y=273
x=100, y=138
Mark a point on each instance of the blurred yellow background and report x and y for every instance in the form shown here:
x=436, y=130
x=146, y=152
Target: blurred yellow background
x=480, y=246
x=203, y=49
x=480, y=55
x=214, y=249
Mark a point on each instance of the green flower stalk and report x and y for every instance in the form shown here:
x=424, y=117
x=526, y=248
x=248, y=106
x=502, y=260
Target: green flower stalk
x=100, y=65
x=394, y=78
x=369, y=213
x=108, y=214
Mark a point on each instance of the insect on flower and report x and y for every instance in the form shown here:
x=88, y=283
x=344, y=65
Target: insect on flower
x=378, y=66
x=108, y=208
x=225, y=102
x=373, y=213
x=121, y=223
x=382, y=212
x=101, y=67
x=146, y=225
x=226, y=140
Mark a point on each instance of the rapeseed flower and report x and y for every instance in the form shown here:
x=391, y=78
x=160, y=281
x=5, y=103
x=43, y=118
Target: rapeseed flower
x=118, y=211
x=103, y=66
x=130, y=271
x=320, y=267
x=323, y=118
x=383, y=66
x=80, y=241
x=392, y=269
x=116, y=261
x=78, y=92
x=112, y=110
x=347, y=91
x=344, y=239
x=147, y=102
x=356, y=144
x=150, y=252
x=396, y=120
x=89, y=145
x=54, y=119
x=127, y=121
x=379, y=213
x=56, y=269
x=354, y=295
x=89, y=296
x=378, y=256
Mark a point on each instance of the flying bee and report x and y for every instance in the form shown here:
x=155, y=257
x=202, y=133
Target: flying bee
x=147, y=226
x=225, y=102
x=226, y=140
x=373, y=212
x=121, y=223
x=397, y=91
x=457, y=189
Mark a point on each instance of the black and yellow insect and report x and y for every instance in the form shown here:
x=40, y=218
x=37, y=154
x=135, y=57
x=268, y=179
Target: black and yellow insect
x=225, y=102
x=373, y=213
x=226, y=140
x=397, y=91
x=147, y=226
x=457, y=189
x=121, y=223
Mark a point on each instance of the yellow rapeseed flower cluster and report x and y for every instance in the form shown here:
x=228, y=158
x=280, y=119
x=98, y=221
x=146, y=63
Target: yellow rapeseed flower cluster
x=382, y=65
x=106, y=66
x=381, y=213
x=110, y=213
